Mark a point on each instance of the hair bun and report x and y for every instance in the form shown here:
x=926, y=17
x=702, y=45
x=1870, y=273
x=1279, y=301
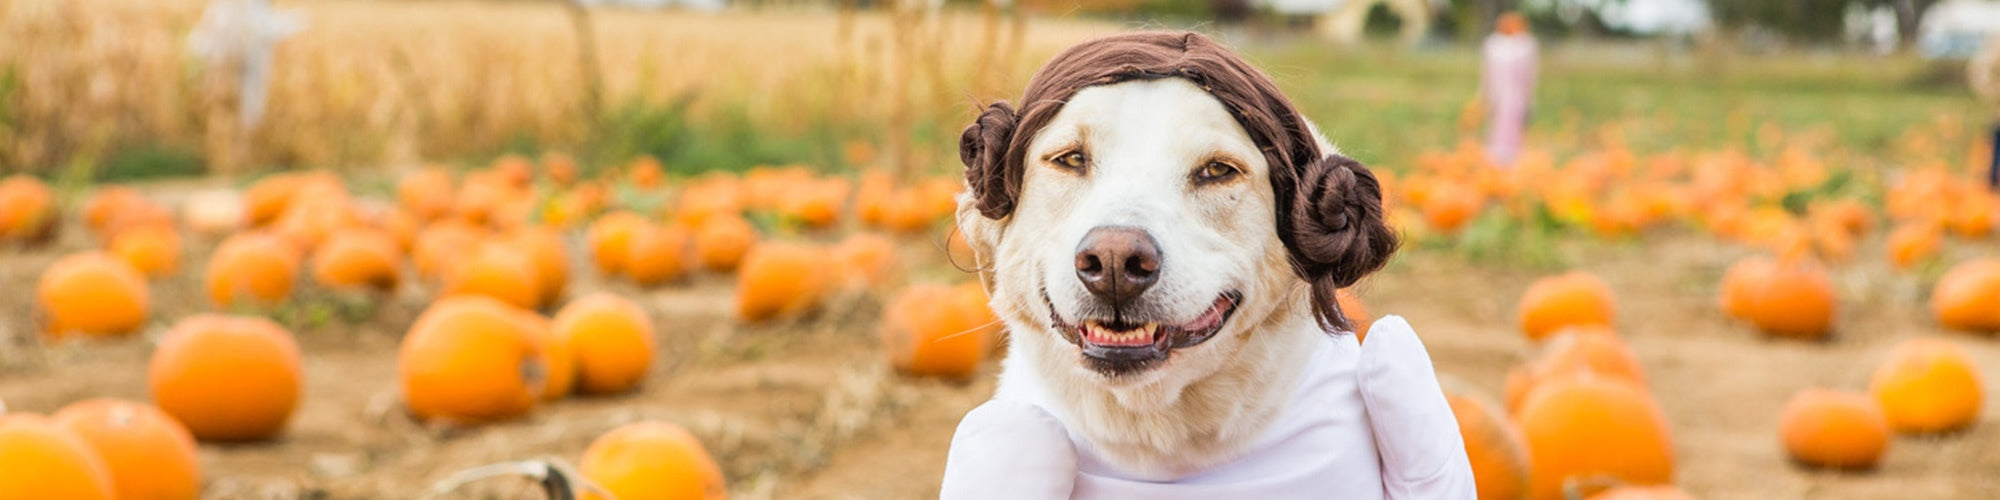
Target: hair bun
x=1336, y=230
x=983, y=150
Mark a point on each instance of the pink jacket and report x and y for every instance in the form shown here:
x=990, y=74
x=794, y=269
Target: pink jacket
x=1366, y=422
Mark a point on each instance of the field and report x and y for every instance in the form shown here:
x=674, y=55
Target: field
x=809, y=407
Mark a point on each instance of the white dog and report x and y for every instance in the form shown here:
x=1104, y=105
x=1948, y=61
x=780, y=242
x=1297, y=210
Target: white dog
x=1163, y=234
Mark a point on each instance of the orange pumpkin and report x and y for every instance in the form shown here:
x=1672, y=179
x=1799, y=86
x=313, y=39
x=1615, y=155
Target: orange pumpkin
x=426, y=193
x=141, y=214
x=358, y=259
x=609, y=238
x=1968, y=296
x=1791, y=298
x=153, y=250
x=561, y=375
x=252, y=268
x=722, y=242
x=512, y=170
x=651, y=460
x=1573, y=299
x=560, y=167
x=313, y=213
x=108, y=202
x=815, y=204
x=1834, y=429
x=781, y=279
x=656, y=254
x=92, y=294
x=228, y=378
x=1593, y=350
x=714, y=196
x=871, y=197
x=646, y=172
x=40, y=459
x=471, y=359
x=27, y=209
x=611, y=339
x=497, y=270
x=148, y=453
x=939, y=331
x=1355, y=311
x=866, y=260
x=1911, y=244
x=1450, y=205
x=1589, y=428
x=1642, y=493
x=268, y=198
x=1928, y=385
x=1499, y=462
x=906, y=211
x=444, y=243
x=544, y=246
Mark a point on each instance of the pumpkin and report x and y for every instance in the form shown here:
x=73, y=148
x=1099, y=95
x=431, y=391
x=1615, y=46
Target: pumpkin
x=871, y=196
x=1568, y=300
x=722, y=242
x=1968, y=296
x=1834, y=429
x=228, y=378
x=108, y=202
x=1911, y=244
x=766, y=188
x=560, y=167
x=1355, y=311
x=866, y=260
x=252, y=268
x=714, y=196
x=267, y=199
x=1973, y=217
x=444, y=243
x=153, y=250
x=561, y=374
x=656, y=254
x=1928, y=386
x=651, y=460
x=1642, y=493
x=646, y=172
x=478, y=196
x=609, y=238
x=1592, y=350
x=1589, y=428
x=41, y=459
x=313, y=213
x=426, y=193
x=905, y=211
x=148, y=453
x=497, y=270
x=1449, y=206
x=781, y=279
x=27, y=209
x=92, y=294
x=815, y=204
x=512, y=170
x=1791, y=298
x=471, y=359
x=1493, y=444
x=939, y=331
x=358, y=259
x=544, y=246
x=142, y=214
x=611, y=340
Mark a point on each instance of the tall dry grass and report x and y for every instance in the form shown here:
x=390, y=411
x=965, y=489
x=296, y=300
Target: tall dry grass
x=387, y=82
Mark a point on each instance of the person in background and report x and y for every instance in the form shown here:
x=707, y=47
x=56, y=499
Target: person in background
x=1983, y=71
x=1507, y=86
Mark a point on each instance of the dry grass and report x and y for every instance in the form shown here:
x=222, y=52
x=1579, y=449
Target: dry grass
x=371, y=82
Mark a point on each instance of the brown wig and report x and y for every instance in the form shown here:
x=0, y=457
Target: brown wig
x=1329, y=206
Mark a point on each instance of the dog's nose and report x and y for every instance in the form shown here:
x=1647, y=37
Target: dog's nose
x=1117, y=263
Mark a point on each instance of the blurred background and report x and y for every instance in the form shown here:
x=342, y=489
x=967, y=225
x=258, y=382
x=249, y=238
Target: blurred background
x=1782, y=212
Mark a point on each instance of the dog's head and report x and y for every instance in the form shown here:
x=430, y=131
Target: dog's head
x=1156, y=193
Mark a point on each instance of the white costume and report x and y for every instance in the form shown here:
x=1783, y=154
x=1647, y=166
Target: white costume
x=1366, y=421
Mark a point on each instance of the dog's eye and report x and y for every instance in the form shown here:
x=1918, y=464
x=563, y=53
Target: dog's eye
x=1074, y=160
x=1214, y=171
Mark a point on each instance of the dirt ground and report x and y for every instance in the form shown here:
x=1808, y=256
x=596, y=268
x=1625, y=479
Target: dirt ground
x=807, y=409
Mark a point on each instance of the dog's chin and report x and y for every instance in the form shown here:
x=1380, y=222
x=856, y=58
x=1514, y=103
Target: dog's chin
x=1125, y=348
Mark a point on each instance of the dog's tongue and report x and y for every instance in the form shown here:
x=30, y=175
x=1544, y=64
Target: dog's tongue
x=1102, y=335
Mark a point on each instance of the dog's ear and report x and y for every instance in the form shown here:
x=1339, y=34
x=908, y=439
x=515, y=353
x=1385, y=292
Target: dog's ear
x=983, y=148
x=1335, y=231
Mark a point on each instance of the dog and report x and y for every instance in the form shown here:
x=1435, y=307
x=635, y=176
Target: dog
x=1163, y=235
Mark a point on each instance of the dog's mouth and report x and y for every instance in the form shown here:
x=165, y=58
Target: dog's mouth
x=1125, y=345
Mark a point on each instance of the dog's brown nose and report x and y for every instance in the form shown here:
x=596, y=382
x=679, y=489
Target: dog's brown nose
x=1117, y=263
